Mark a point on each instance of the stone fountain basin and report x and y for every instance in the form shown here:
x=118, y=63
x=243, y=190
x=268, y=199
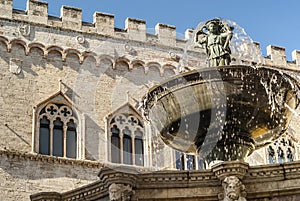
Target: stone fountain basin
x=222, y=113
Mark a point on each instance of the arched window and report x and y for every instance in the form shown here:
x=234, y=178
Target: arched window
x=271, y=155
x=127, y=140
x=57, y=131
x=282, y=150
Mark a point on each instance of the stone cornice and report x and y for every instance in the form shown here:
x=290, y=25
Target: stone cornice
x=9, y=154
x=260, y=182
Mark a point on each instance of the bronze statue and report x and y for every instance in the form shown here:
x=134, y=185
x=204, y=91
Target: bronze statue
x=215, y=35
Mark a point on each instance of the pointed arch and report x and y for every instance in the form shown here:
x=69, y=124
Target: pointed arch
x=57, y=128
x=284, y=149
x=125, y=131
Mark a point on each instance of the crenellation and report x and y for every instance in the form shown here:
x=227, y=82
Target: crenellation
x=277, y=55
x=257, y=48
x=6, y=9
x=136, y=29
x=37, y=11
x=296, y=57
x=188, y=34
x=71, y=17
x=166, y=34
x=104, y=23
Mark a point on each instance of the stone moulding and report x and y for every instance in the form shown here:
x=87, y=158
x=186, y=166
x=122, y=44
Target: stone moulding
x=205, y=185
x=83, y=55
x=10, y=154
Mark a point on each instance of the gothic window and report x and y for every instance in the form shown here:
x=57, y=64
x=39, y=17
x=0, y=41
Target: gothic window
x=282, y=150
x=126, y=140
x=57, y=133
x=188, y=162
x=271, y=155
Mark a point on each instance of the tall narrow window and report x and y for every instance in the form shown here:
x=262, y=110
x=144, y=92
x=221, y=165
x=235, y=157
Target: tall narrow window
x=71, y=140
x=57, y=131
x=58, y=138
x=44, y=140
x=190, y=162
x=127, y=146
x=179, y=160
x=127, y=140
x=280, y=155
x=271, y=156
x=139, y=147
x=115, y=145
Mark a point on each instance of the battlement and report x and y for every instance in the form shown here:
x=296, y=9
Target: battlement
x=103, y=24
x=71, y=18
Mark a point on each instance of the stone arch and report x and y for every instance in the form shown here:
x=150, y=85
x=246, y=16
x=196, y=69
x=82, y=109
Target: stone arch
x=137, y=63
x=19, y=42
x=4, y=40
x=36, y=45
x=125, y=130
x=87, y=54
x=168, y=68
x=282, y=150
x=154, y=65
x=105, y=58
x=71, y=51
x=58, y=107
x=53, y=48
x=122, y=60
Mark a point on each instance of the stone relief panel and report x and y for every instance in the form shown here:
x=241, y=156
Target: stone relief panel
x=234, y=190
x=120, y=192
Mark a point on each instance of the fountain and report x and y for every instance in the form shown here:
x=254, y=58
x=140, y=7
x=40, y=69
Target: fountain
x=222, y=112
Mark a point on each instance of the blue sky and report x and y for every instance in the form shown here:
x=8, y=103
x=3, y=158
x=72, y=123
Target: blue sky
x=269, y=22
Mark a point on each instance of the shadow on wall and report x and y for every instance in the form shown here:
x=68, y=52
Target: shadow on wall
x=92, y=139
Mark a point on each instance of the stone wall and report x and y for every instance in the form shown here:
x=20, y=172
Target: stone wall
x=23, y=174
x=96, y=63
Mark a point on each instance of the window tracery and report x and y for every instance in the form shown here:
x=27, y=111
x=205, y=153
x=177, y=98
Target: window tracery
x=282, y=150
x=57, y=131
x=127, y=136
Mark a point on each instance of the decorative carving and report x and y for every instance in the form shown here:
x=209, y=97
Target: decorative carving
x=15, y=66
x=24, y=30
x=174, y=56
x=80, y=39
x=120, y=192
x=234, y=190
